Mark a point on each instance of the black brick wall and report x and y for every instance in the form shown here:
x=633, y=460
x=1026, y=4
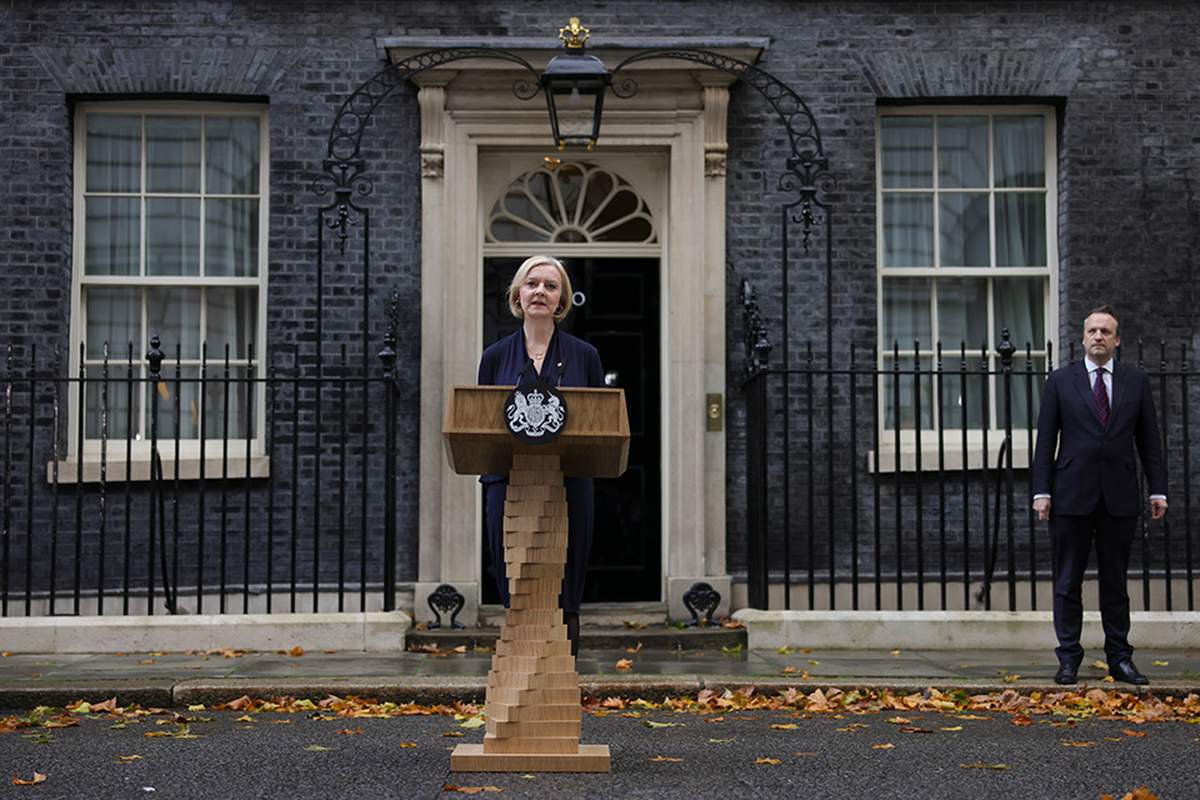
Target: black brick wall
x=1123, y=76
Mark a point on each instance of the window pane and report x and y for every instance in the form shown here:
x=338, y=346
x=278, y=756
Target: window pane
x=907, y=402
x=232, y=320
x=113, y=316
x=112, y=398
x=962, y=152
x=1020, y=229
x=954, y=399
x=172, y=154
x=174, y=314
x=231, y=152
x=962, y=312
x=964, y=230
x=221, y=396
x=908, y=230
x=907, y=148
x=111, y=236
x=231, y=238
x=168, y=390
x=1020, y=308
x=114, y=153
x=172, y=236
x=1025, y=388
x=1020, y=151
x=906, y=312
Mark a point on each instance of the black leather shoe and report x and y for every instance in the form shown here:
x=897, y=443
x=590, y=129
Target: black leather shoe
x=1126, y=672
x=1067, y=675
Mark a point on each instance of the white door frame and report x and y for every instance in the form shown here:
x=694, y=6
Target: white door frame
x=680, y=111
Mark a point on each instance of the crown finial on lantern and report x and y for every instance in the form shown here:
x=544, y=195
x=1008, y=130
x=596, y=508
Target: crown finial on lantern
x=574, y=36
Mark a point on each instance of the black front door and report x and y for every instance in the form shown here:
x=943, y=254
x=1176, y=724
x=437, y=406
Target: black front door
x=617, y=312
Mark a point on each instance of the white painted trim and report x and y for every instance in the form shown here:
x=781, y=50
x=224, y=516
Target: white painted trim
x=669, y=116
x=91, y=449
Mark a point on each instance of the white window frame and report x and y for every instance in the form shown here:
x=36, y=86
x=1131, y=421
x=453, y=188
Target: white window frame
x=953, y=436
x=189, y=449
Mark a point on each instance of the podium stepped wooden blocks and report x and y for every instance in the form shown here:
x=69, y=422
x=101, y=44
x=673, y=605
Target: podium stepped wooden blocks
x=533, y=701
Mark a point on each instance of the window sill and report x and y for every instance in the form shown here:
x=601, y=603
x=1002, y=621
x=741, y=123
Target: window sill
x=139, y=469
x=952, y=452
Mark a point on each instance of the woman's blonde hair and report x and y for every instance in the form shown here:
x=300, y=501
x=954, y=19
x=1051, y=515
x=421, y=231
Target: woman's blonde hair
x=514, y=288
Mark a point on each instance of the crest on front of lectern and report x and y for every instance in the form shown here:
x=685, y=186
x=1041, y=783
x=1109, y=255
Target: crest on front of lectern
x=536, y=412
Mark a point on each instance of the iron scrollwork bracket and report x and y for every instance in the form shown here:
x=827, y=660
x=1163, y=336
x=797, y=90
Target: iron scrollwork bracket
x=446, y=599
x=758, y=346
x=702, y=597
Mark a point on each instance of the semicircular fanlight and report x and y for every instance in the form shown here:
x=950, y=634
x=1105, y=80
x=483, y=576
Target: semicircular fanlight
x=573, y=203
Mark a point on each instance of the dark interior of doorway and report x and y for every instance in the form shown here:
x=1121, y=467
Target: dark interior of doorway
x=619, y=316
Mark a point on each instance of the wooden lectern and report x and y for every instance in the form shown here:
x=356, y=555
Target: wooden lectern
x=533, y=703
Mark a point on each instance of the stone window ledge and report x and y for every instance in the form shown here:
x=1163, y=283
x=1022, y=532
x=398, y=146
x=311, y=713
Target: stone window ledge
x=139, y=469
x=952, y=451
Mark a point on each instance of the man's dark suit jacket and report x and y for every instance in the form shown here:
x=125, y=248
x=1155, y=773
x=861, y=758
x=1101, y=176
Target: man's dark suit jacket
x=1095, y=462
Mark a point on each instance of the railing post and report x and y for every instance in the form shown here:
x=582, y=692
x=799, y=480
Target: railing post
x=1006, y=350
x=387, y=356
x=154, y=358
x=758, y=353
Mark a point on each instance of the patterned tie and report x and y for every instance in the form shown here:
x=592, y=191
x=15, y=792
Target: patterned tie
x=1100, y=395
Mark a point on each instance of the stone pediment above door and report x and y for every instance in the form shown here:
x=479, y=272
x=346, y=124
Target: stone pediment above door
x=474, y=89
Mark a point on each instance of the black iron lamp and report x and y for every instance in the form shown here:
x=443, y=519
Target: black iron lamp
x=575, y=84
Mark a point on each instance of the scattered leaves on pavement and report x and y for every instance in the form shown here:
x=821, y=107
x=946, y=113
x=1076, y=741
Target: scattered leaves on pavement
x=722, y=741
x=649, y=723
x=632, y=650
x=317, y=748
x=453, y=734
x=768, y=761
x=665, y=760
x=625, y=663
x=450, y=787
x=1140, y=793
x=1100, y=664
x=883, y=746
x=952, y=728
x=982, y=765
x=1021, y=721
x=637, y=626
x=735, y=649
x=37, y=778
x=1161, y=663
x=895, y=652
x=1072, y=743
x=351, y=732
x=1133, y=733
x=473, y=722
x=296, y=651
x=407, y=745
x=128, y=759
x=784, y=726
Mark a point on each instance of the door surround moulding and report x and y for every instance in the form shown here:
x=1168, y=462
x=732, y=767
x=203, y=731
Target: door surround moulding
x=680, y=110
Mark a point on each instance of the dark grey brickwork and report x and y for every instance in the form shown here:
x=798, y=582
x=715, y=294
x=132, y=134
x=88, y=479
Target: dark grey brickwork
x=1122, y=74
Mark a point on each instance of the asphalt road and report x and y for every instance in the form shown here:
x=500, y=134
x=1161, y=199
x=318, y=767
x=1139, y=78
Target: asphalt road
x=293, y=756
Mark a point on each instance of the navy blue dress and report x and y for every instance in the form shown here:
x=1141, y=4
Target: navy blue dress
x=579, y=364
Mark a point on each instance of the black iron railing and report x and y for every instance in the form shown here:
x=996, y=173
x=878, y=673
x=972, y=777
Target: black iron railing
x=926, y=503
x=199, y=489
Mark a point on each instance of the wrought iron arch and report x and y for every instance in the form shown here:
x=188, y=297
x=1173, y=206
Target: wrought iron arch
x=805, y=175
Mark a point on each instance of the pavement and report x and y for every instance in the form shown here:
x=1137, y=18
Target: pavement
x=180, y=679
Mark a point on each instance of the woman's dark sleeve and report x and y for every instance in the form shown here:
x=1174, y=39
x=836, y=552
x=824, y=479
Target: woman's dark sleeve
x=487, y=370
x=595, y=372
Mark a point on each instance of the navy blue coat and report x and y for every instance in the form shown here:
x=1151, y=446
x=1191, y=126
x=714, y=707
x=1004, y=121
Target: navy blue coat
x=1096, y=462
x=579, y=365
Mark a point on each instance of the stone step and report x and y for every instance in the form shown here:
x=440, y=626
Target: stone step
x=593, y=637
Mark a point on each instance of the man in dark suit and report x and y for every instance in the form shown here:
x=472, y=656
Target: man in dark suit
x=1096, y=412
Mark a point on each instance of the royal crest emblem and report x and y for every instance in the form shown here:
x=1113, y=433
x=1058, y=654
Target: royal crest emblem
x=536, y=413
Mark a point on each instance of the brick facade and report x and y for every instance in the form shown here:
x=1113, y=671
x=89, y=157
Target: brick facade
x=1122, y=77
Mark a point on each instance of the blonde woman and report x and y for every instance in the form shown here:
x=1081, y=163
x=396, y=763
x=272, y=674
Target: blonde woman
x=540, y=296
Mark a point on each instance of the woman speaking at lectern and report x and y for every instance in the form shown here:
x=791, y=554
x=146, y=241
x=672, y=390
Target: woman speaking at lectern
x=540, y=296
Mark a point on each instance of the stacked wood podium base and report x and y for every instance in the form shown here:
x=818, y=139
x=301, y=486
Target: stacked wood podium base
x=533, y=702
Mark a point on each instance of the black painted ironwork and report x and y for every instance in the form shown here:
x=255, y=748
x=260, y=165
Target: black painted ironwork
x=446, y=599
x=701, y=599
x=975, y=496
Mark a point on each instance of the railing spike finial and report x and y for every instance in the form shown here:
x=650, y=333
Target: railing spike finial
x=1006, y=348
x=155, y=356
